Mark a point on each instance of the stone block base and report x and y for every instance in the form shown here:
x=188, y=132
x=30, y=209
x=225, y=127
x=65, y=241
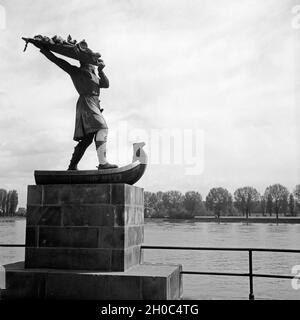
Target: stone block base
x=102, y=259
x=84, y=227
x=141, y=282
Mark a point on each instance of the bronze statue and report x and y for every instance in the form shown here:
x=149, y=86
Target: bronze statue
x=90, y=124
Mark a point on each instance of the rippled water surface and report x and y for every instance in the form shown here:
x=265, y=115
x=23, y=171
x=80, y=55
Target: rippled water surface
x=206, y=234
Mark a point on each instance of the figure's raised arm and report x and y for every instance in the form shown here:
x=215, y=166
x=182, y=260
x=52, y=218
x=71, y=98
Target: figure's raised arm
x=104, y=82
x=66, y=66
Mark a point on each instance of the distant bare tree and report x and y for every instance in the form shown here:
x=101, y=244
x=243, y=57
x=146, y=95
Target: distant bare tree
x=269, y=205
x=192, y=202
x=153, y=204
x=285, y=203
x=263, y=205
x=291, y=204
x=7, y=205
x=278, y=193
x=218, y=200
x=14, y=199
x=245, y=199
x=3, y=197
x=11, y=203
x=173, y=204
x=240, y=200
x=172, y=199
x=148, y=208
x=159, y=205
x=296, y=194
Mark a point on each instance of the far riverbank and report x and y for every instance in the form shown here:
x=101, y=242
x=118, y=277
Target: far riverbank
x=232, y=219
x=226, y=219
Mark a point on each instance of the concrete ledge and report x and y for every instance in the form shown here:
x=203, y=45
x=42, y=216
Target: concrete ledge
x=141, y=282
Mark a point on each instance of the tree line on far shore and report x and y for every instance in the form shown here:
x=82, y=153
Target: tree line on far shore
x=220, y=202
x=8, y=203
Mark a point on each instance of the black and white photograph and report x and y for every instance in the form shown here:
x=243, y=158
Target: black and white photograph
x=149, y=151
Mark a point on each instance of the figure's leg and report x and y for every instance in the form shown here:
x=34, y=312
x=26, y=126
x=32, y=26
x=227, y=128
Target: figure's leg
x=79, y=150
x=100, y=141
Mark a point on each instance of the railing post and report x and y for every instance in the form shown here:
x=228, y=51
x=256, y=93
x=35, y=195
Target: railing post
x=251, y=294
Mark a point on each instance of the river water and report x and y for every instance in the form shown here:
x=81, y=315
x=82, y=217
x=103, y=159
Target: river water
x=185, y=233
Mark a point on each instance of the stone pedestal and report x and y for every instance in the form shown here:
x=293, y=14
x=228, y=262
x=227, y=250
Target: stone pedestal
x=84, y=242
x=140, y=282
x=85, y=227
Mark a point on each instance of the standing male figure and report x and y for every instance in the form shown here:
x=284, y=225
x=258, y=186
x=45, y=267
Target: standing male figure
x=90, y=124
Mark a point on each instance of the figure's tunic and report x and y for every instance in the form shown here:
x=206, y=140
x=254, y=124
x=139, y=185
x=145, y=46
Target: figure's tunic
x=88, y=115
x=89, y=118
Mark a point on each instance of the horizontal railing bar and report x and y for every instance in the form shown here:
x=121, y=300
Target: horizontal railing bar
x=233, y=274
x=195, y=248
x=217, y=273
x=12, y=245
x=275, y=276
x=221, y=249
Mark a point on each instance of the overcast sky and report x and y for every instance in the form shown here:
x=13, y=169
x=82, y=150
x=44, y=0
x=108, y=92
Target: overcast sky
x=224, y=68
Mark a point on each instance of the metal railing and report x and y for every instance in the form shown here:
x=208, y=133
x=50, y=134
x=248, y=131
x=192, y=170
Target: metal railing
x=249, y=274
x=12, y=245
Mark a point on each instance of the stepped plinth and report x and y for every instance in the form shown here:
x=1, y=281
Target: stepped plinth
x=83, y=241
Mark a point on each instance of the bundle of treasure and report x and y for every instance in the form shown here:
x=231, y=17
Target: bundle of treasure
x=69, y=48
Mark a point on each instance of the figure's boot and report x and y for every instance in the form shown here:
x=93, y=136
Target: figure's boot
x=79, y=150
x=100, y=141
x=107, y=166
x=76, y=157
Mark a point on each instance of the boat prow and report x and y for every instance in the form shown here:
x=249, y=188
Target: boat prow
x=129, y=174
